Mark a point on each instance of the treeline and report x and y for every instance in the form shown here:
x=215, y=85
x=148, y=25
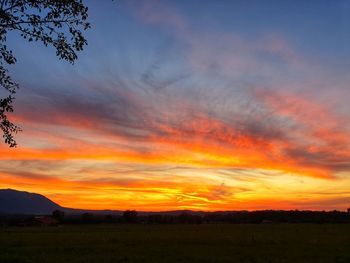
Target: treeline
x=234, y=217
x=133, y=217
x=188, y=217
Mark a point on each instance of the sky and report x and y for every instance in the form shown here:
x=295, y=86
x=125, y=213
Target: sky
x=202, y=105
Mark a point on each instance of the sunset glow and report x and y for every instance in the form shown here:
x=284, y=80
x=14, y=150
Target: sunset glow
x=189, y=105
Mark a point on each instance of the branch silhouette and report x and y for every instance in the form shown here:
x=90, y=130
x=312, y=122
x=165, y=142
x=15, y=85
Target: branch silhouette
x=54, y=23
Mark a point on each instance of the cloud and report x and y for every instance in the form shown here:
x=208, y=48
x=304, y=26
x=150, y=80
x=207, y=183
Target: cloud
x=218, y=105
x=264, y=128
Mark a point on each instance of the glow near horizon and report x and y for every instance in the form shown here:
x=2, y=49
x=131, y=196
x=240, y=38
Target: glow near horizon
x=177, y=105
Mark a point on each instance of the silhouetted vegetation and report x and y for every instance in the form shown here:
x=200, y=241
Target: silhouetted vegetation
x=87, y=218
x=130, y=216
x=54, y=23
x=189, y=217
x=58, y=215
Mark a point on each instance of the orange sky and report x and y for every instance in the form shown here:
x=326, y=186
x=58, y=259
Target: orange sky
x=203, y=163
x=177, y=115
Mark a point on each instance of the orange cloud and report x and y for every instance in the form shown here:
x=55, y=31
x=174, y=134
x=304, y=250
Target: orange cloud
x=198, y=140
x=218, y=118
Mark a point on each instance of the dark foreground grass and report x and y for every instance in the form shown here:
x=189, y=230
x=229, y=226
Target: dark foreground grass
x=177, y=243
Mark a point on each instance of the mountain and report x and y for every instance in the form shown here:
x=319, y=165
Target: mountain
x=18, y=202
x=25, y=203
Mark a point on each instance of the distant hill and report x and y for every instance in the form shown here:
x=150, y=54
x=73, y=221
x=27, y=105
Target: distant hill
x=18, y=202
x=25, y=203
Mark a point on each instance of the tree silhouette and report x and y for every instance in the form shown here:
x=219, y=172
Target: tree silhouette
x=58, y=215
x=130, y=216
x=56, y=23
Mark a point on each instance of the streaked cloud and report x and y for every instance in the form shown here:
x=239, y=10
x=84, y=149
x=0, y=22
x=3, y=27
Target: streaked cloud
x=195, y=118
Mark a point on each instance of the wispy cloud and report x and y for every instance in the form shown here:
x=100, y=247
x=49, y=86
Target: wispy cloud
x=208, y=119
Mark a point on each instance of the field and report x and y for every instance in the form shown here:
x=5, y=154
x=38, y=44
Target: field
x=177, y=243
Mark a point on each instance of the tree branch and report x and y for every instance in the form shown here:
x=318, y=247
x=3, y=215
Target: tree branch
x=39, y=22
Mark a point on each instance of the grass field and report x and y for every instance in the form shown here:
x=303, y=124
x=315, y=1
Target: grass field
x=177, y=243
